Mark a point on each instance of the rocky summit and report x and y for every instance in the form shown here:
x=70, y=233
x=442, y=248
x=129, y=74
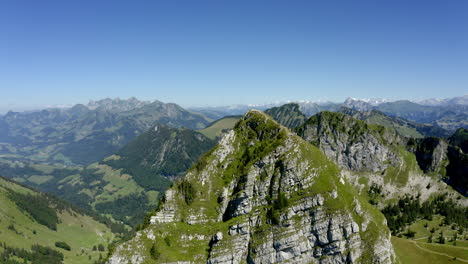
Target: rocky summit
x=262, y=195
x=351, y=143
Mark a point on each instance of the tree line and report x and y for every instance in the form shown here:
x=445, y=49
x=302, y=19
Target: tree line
x=408, y=209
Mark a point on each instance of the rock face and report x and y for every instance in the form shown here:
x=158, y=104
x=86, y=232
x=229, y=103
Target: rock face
x=373, y=155
x=288, y=115
x=351, y=143
x=161, y=152
x=431, y=154
x=437, y=156
x=262, y=195
x=460, y=139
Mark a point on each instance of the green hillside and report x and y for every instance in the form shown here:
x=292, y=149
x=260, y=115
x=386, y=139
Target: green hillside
x=29, y=218
x=410, y=251
x=460, y=139
x=401, y=126
x=287, y=115
x=125, y=185
x=216, y=129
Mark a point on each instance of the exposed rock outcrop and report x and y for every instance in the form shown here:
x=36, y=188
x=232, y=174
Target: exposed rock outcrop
x=374, y=155
x=288, y=115
x=431, y=153
x=351, y=143
x=449, y=162
x=263, y=195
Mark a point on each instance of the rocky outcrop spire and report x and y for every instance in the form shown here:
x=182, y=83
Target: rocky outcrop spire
x=262, y=195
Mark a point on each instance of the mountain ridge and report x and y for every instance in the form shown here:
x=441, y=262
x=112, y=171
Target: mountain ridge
x=227, y=206
x=79, y=135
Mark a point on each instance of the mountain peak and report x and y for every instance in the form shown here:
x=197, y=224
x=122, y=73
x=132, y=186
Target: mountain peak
x=116, y=104
x=257, y=124
x=262, y=195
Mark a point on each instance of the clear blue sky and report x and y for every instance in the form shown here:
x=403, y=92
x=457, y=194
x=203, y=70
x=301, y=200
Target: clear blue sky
x=219, y=52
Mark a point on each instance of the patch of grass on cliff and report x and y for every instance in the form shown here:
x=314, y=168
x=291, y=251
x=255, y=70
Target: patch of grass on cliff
x=172, y=239
x=257, y=136
x=216, y=129
x=400, y=175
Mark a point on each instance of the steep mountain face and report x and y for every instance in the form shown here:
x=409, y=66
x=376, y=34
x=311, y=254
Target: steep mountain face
x=85, y=134
x=160, y=154
x=351, y=143
x=125, y=185
x=401, y=126
x=431, y=154
x=444, y=159
x=457, y=169
x=373, y=155
x=262, y=195
x=287, y=115
x=32, y=223
x=460, y=139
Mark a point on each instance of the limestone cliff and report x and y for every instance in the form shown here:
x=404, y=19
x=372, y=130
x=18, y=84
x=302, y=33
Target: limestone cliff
x=262, y=195
x=374, y=155
x=448, y=162
x=288, y=115
x=352, y=143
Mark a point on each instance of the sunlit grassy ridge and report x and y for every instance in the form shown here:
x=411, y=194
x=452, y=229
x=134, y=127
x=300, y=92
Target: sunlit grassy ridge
x=19, y=229
x=215, y=129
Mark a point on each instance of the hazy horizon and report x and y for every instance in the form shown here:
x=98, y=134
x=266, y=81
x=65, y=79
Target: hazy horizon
x=45, y=106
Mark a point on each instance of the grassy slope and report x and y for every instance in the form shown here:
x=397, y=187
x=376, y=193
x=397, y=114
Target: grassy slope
x=109, y=186
x=408, y=252
x=117, y=184
x=80, y=232
x=388, y=122
x=215, y=129
x=105, y=184
x=436, y=223
x=125, y=186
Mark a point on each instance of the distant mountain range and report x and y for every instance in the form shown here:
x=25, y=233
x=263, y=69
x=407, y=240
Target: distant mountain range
x=39, y=228
x=450, y=114
x=460, y=100
x=84, y=134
